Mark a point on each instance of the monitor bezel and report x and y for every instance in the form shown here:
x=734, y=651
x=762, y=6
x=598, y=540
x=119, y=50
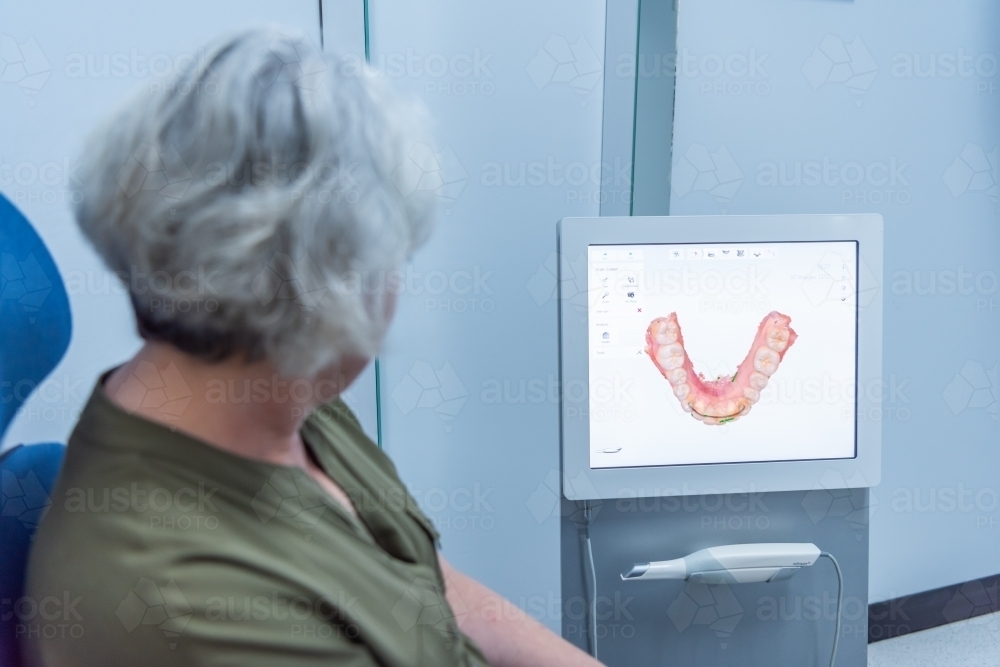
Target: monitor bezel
x=581, y=482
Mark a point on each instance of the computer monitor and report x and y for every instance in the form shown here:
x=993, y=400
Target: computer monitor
x=719, y=354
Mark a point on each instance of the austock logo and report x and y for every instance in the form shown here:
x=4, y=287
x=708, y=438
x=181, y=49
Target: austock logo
x=869, y=182
x=974, y=170
x=701, y=604
x=150, y=387
x=305, y=72
x=25, y=282
x=290, y=496
x=559, y=62
x=286, y=279
x=425, y=170
x=424, y=605
x=829, y=282
x=832, y=498
x=974, y=600
x=23, y=65
x=439, y=390
x=546, y=500
x=150, y=604
x=24, y=499
x=973, y=388
x=702, y=170
x=461, y=74
x=544, y=285
x=834, y=62
x=50, y=617
x=151, y=169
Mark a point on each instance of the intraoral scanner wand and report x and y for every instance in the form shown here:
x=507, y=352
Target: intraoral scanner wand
x=731, y=564
x=743, y=564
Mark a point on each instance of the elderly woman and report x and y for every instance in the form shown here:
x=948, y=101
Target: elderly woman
x=219, y=504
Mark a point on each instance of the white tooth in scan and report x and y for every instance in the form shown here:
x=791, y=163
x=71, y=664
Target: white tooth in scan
x=726, y=398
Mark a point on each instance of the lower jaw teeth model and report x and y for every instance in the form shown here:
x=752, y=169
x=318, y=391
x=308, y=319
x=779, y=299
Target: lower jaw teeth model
x=726, y=398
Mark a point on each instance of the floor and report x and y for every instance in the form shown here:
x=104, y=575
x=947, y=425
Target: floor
x=971, y=643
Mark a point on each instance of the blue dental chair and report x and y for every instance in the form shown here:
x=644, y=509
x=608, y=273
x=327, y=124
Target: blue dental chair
x=35, y=330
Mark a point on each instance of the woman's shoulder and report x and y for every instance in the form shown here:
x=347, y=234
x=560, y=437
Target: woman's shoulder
x=148, y=561
x=371, y=480
x=340, y=430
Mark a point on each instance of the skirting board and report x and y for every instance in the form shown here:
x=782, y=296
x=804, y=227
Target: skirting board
x=929, y=609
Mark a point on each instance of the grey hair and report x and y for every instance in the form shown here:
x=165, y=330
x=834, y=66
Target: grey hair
x=256, y=203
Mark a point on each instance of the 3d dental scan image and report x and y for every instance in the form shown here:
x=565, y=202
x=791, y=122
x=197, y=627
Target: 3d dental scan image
x=726, y=398
x=672, y=321
x=451, y=333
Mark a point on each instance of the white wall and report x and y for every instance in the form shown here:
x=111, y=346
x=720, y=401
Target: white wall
x=937, y=519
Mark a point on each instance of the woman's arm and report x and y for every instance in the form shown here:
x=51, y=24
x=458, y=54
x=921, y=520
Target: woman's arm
x=505, y=633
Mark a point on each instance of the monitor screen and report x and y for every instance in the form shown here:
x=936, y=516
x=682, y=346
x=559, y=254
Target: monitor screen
x=722, y=353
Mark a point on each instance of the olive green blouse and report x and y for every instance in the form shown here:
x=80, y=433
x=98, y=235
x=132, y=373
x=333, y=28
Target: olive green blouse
x=161, y=550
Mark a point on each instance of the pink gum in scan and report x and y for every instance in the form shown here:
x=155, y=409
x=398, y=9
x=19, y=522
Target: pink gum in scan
x=727, y=398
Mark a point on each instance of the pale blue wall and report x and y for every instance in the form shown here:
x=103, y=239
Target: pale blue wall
x=501, y=331
x=940, y=439
x=87, y=58
x=501, y=98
